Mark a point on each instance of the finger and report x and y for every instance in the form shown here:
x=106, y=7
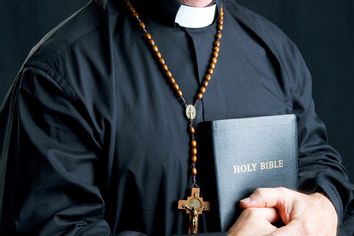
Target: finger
x=268, y=214
x=291, y=229
x=267, y=198
x=255, y=221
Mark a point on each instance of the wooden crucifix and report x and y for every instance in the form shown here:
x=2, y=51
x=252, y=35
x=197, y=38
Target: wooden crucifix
x=194, y=206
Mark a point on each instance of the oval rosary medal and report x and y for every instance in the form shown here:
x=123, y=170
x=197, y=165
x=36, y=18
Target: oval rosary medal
x=191, y=112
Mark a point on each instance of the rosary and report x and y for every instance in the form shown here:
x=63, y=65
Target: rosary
x=194, y=204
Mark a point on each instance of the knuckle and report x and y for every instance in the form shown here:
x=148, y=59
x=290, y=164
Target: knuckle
x=261, y=194
x=308, y=228
x=282, y=191
x=259, y=191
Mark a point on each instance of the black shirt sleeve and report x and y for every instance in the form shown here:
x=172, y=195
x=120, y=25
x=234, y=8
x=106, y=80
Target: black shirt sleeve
x=52, y=167
x=320, y=165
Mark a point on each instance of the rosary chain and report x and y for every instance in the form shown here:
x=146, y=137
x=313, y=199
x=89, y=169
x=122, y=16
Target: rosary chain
x=173, y=83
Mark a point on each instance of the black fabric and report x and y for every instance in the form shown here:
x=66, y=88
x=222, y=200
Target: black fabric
x=326, y=45
x=323, y=32
x=96, y=142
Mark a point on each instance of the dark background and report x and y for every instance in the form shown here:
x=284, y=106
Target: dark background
x=322, y=29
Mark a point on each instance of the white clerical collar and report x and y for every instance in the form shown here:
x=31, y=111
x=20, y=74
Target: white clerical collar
x=195, y=17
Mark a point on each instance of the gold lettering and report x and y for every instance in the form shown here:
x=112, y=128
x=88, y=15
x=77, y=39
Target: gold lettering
x=238, y=169
x=269, y=165
x=254, y=165
x=251, y=167
x=263, y=166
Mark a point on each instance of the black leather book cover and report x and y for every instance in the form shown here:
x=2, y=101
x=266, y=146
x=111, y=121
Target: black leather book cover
x=241, y=155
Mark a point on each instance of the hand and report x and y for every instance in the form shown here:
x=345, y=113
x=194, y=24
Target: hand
x=302, y=214
x=255, y=222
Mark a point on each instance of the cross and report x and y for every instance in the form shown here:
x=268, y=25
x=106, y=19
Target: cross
x=194, y=206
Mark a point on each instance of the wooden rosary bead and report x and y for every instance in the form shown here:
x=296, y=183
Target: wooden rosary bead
x=205, y=83
x=176, y=87
x=202, y=89
x=214, y=60
x=169, y=74
x=162, y=61
x=165, y=68
x=194, y=151
x=194, y=143
x=199, y=96
x=194, y=171
x=194, y=159
x=172, y=80
x=152, y=42
x=155, y=48
x=217, y=44
x=148, y=36
x=179, y=93
x=207, y=77
x=191, y=130
x=216, y=54
x=142, y=25
x=217, y=49
x=159, y=56
x=210, y=71
x=212, y=65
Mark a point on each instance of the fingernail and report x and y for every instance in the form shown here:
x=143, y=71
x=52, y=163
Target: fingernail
x=246, y=200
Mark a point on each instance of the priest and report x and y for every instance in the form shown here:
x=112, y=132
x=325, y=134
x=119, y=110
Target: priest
x=98, y=132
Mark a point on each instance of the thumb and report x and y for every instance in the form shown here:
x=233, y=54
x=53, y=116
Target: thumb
x=267, y=197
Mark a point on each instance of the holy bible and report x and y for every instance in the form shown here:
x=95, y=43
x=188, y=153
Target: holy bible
x=244, y=154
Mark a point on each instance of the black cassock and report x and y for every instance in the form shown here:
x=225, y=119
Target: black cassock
x=94, y=141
